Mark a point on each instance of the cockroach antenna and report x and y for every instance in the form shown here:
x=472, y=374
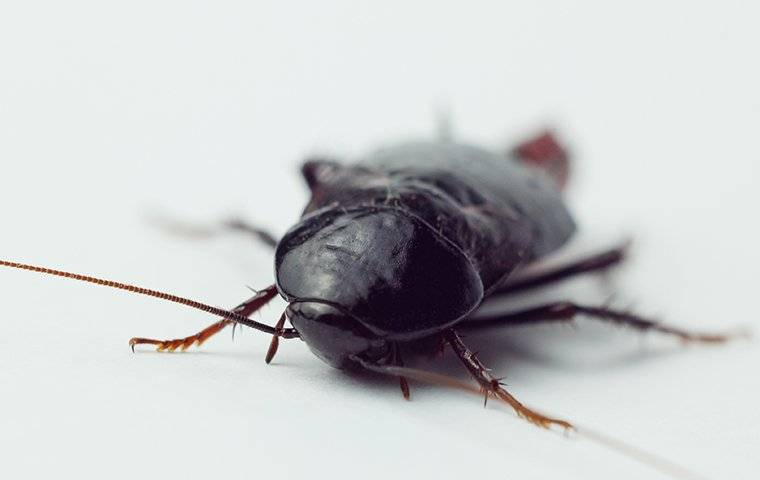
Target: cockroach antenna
x=231, y=316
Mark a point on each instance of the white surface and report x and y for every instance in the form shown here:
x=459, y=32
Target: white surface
x=109, y=112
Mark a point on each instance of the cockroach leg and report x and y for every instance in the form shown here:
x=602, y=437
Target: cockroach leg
x=275, y=343
x=399, y=362
x=191, y=230
x=593, y=263
x=258, y=233
x=246, y=308
x=182, y=343
x=447, y=381
x=567, y=311
x=493, y=387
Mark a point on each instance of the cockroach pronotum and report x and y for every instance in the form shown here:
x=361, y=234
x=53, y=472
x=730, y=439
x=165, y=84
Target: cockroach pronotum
x=396, y=251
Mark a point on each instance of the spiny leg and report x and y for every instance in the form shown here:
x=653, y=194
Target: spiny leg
x=447, y=381
x=275, y=343
x=246, y=308
x=182, y=343
x=593, y=263
x=635, y=453
x=567, y=311
x=492, y=386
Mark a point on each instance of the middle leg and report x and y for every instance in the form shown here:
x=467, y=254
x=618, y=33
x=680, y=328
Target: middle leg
x=567, y=311
x=593, y=263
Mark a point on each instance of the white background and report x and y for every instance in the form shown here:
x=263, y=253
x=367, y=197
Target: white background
x=111, y=113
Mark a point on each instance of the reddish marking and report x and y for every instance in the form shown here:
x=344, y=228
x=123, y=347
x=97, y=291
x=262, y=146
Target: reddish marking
x=545, y=153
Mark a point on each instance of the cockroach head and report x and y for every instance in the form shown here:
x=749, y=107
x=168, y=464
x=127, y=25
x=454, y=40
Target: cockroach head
x=334, y=336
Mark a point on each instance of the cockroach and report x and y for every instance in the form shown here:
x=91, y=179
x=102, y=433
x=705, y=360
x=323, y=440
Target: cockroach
x=396, y=251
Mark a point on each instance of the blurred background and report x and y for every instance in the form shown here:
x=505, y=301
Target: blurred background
x=111, y=114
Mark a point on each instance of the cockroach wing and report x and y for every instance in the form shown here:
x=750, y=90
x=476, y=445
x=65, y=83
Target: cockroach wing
x=501, y=214
x=411, y=237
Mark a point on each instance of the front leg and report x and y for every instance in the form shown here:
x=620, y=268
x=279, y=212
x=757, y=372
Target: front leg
x=246, y=309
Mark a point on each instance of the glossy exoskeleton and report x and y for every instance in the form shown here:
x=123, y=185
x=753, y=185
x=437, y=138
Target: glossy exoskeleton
x=401, y=246
x=407, y=242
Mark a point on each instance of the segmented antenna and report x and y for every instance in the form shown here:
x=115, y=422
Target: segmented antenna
x=236, y=317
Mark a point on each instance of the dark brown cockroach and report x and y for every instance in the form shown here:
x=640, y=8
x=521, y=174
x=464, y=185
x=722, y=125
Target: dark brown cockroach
x=400, y=248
